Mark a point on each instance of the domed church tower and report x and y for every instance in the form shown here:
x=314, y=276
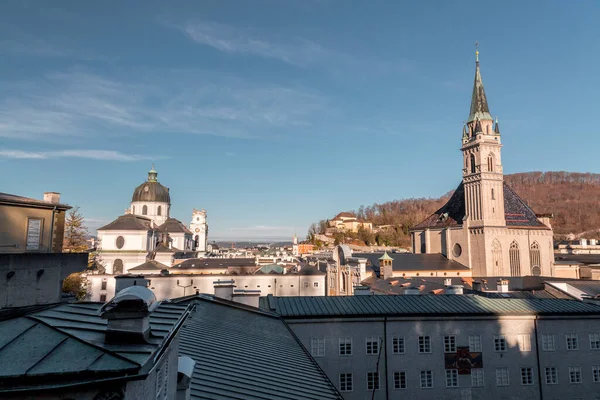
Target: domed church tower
x=151, y=199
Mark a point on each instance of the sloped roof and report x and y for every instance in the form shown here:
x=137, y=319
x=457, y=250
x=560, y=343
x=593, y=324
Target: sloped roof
x=173, y=225
x=150, y=265
x=248, y=354
x=200, y=263
x=413, y=262
x=349, y=306
x=128, y=222
x=67, y=343
x=517, y=213
x=6, y=198
x=343, y=215
x=479, y=105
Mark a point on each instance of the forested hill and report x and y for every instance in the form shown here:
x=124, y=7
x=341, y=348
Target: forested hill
x=573, y=198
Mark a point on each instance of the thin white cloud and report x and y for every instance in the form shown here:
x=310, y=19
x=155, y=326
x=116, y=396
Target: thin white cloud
x=104, y=155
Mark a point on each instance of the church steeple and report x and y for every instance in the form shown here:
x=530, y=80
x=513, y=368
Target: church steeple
x=479, y=104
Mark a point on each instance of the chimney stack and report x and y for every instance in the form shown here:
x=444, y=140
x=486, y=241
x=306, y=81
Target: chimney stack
x=448, y=282
x=52, y=197
x=247, y=297
x=362, y=291
x=125, y=281
x=502, y=285
x=454, y=289
x=477, y=286
x=128, y=315
x=224, y=289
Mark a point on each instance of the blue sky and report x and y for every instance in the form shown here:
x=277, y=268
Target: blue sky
x=273, y=114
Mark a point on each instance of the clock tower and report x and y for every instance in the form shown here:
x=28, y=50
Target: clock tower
x=199, y=228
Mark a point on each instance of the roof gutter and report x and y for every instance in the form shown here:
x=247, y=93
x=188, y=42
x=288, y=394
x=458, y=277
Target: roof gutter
x=51, y=246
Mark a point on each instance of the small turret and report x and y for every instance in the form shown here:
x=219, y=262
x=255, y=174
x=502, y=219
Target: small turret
x=465, y=135
x=497, y=127
x=478, y=127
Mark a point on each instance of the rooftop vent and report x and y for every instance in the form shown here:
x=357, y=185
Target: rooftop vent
x=411, y=291
x=127, y=314
x=454, y=289
x=502, y=285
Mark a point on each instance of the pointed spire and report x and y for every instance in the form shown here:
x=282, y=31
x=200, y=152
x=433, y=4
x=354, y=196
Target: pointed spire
x=478, y=127
x=479, y=105
x=465, y=135
x=496, y=127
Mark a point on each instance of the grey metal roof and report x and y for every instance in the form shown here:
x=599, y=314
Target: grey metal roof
x=581, y=258
x=128, y=222
x=242, y=353
x=65, y=344
x=414, y=262
x=202, y=263
x=6, y=198
x=348, y=306
x=591, y=288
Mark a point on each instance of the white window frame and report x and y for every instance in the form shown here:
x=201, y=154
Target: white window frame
x=345, y=343
x=595, y=373
x=424, y=344
x=594, y=341
x=346, y=375
x=526, y=376
x=524, y=342
x=372, y=345
x=575, y=375
x=572, y=341
x=500, y=343
x=317, y=347
x=398, y=345
x=551, y=375
x=375, y=382
x=426, y=379
x=477, y=377
x=475, y=343
x=449, y=344
x=451, y=378
x=399, y=379
x=548, y=342
x=502, y=377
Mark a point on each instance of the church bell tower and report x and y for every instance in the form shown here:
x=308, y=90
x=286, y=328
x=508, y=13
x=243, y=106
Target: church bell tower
x=483, y=178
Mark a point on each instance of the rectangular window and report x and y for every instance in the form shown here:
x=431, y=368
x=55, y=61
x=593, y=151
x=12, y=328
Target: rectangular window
x=524, y=342
x=103, y=297
x=398, y=345
x=594, y=341
x=372, y=380
x=450, y=344
x=103, y=285
x=474, y=343
x=572, y=341
x=317, y=347
x=400, y=380
x=502, y=378
x=477, y=377
x=346, y=382
x=451, y=378
x=372, y=345
x=526, y=376
x=548, y=342
x=424, y=344
x=574, y=374
x=551, y=375
x=426, y=379
x=315, y=284
x=499, y=343
x=596, y=373
x=305, y=284
x=345, y=346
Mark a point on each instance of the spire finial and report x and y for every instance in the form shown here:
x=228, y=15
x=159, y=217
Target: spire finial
x=476, y=51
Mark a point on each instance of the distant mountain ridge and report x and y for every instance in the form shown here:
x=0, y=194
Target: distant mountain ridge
x=572, y=197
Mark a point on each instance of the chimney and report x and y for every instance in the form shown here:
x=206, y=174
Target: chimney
x=502, y=285
x=454, y=289
x=128, y=315
x=362, y=291
x=448, y=282
x=224, y=289
x=185, y=370
x=125, y=281
x=592, y=242
x=477, y=286
x=412, y=291
x=247, y=297
x=583, y=242
x=52, y=197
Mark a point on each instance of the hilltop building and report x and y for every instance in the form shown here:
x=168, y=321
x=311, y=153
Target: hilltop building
x=147, y=231
x=485, y=225
x=348, y=222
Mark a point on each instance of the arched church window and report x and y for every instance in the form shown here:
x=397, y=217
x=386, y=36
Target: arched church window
x=472, y=160
x=535, y=257
x=493, y=196
x=515, y=259
x=118, y=266
x=145, y=210
x=497, y=257
x=120, y=242
x=159, y=210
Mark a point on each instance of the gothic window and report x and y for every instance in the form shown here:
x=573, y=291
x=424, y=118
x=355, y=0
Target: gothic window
x=145, y=210
x=535, y=257
x=159, y=210
x=497, y=257
x=120, y=242
x=515, y=259
x=118, y=266
x=490, y=161
x=472, y=163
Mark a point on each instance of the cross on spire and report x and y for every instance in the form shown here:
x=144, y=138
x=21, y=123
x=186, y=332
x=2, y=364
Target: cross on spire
x=477, y=51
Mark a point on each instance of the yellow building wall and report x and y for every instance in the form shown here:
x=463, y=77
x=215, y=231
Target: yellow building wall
x=13, y=229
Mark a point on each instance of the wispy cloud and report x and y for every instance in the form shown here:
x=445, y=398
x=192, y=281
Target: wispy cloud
x=295, y=51
x=80, y=103
x=105, y=155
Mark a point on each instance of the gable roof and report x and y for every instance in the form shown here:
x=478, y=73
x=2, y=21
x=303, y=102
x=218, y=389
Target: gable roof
x=517, y=213
x=248, y=354
x=343, y=215
x=413, y=262
x=174, y=225
x=150, y=265
x=64, y=345
x=128, y=222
